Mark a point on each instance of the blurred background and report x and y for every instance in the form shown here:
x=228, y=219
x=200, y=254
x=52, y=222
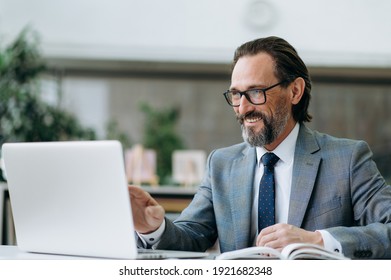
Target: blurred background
x=153, y=72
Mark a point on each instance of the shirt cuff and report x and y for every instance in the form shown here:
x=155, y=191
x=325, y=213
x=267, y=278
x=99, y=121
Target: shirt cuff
x=329, y=242
x=153, y=237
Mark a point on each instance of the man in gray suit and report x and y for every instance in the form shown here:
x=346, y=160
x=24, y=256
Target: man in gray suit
x=328, y=191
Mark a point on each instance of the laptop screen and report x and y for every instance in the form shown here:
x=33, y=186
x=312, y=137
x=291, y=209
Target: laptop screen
x=70, y=198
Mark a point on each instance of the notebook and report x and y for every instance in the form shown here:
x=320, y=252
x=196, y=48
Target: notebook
x=71, y=198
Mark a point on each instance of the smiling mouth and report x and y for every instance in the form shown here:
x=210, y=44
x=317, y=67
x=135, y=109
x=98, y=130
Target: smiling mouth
x=253, y=119
x=250, y=118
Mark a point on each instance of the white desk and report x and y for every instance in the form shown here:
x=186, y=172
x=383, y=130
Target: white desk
x=13, y=253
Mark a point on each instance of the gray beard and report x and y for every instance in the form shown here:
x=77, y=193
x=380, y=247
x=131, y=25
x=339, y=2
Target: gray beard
x=261, y=139
x=273, y=127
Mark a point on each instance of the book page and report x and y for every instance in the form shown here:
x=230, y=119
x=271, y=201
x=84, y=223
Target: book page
x=251, y=253
x=309, y=251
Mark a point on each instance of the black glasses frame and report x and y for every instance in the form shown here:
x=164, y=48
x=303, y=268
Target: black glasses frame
x=245, y=93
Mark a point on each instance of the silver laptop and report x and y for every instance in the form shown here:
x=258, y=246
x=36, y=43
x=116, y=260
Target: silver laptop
x=71, y=198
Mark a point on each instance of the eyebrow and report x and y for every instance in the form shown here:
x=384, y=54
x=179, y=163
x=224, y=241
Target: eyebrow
x=250, y=87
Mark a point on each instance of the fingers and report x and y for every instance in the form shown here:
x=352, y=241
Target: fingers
x=136, y=191
x=279, y=235
x=139, y=196
x=267, y=237
x=148, y=215
x=276, y=236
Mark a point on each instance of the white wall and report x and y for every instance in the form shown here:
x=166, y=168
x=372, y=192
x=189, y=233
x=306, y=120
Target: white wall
x=326, y=33
x=344, y=33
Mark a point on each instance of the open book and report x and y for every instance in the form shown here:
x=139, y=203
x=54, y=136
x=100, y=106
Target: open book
x=290, y=252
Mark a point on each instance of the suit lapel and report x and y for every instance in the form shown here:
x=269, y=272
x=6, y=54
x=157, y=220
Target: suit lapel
x=305, y=170
x=242, y=170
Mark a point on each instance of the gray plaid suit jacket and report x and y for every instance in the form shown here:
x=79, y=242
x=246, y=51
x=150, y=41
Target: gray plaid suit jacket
x=336, y=186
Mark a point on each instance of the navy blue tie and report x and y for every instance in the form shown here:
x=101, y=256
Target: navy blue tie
x=266, y=216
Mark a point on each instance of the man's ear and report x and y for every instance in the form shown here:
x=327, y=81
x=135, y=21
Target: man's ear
x=297, y=88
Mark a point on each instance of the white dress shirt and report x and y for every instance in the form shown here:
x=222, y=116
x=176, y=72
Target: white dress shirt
x=282, y=177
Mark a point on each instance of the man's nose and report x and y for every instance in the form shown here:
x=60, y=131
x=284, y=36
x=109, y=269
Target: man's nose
x=245, y=105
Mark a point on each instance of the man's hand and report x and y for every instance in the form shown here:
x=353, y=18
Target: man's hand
x=279, y=235
x=148, y=215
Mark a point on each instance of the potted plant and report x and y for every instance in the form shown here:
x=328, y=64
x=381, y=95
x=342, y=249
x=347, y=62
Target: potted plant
x=24, y=116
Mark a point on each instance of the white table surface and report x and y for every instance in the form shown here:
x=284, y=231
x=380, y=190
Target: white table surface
x=14, y=253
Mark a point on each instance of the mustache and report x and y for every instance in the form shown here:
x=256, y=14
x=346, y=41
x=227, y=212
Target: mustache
x=241, y=117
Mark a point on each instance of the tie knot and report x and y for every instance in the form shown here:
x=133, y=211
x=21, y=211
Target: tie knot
x=269, y=159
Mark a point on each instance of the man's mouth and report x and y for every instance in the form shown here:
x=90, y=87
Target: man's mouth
x=252, y=119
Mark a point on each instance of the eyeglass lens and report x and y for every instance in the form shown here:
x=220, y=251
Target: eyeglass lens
x=255, y=96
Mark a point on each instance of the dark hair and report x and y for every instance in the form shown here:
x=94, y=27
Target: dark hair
x=288, y=66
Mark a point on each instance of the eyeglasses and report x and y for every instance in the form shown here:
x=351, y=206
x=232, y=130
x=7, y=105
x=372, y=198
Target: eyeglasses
x=256, y=96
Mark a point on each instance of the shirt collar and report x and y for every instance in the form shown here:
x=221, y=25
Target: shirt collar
x=286, y=150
